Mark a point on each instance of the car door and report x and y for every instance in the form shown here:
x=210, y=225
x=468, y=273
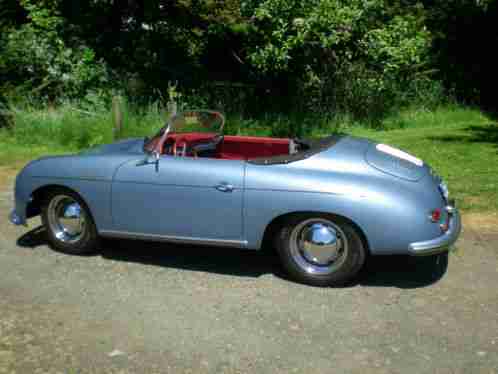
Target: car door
x=180, y=198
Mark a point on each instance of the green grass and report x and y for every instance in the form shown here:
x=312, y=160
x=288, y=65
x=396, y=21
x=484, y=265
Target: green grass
x=461, y=144
x=36, y=132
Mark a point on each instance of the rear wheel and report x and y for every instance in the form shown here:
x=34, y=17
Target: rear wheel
x=68, y=222
x=320, y=250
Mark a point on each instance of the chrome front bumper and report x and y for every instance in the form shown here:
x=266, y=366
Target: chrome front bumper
x=443, y=242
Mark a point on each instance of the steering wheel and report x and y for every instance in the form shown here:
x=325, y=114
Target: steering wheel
x=184, y=150
x=175, y=145
x=176, y=122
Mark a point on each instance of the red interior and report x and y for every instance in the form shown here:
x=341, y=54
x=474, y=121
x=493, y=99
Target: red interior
x=235, y=147
x=246, y=147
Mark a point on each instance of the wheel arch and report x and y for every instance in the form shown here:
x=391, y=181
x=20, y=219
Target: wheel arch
x=39, y=194
x=277, y=222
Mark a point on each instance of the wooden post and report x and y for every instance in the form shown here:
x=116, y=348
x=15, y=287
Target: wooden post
x=172, y=108
x=117, y=117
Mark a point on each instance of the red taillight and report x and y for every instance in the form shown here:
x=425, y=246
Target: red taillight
x=436, y=215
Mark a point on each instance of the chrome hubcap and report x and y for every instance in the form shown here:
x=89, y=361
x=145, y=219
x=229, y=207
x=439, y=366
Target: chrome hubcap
x=66, y=219
x=318, y=246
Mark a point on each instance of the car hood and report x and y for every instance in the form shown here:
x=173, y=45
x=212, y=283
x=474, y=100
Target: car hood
x=129, y=146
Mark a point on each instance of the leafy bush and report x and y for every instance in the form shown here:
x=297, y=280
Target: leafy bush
x=252, y=58
x=48, y=68
x=36, y=56
x=355, y=57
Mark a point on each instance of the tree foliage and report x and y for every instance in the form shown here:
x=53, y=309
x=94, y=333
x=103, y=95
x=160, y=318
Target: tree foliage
x=360, y=56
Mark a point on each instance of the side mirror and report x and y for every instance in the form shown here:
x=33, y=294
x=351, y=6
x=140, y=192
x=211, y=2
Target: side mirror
x=147, y=160
x=143, y=162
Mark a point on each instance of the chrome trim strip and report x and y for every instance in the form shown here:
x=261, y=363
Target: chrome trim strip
x=174, y=239
x=441, y=243
x=83, y=178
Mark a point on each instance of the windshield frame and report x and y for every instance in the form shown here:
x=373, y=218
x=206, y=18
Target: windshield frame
x=155, y=144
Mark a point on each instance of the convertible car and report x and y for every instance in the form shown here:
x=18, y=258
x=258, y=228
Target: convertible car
x=324, y=205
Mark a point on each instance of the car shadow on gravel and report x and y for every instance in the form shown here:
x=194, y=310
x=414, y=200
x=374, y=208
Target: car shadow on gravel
x=379, y=271
x=227, y=261
x=403, y=271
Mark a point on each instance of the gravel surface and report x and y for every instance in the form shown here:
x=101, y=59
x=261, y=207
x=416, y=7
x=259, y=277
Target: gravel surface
x=156, y=308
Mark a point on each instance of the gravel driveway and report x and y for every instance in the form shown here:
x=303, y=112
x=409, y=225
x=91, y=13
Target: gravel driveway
x=142, y=307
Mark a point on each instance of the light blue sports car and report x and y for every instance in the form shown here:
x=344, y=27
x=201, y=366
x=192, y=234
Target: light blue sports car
x=325, y=205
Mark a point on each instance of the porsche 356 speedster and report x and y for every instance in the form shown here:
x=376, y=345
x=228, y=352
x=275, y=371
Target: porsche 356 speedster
x=325, y=205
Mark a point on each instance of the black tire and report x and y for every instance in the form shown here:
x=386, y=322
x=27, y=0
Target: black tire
x=86, y=242
x=352, y=257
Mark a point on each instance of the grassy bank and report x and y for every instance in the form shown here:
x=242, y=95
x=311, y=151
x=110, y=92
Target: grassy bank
x=461, y=144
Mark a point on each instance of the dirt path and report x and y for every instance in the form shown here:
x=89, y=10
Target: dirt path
x=141, y=307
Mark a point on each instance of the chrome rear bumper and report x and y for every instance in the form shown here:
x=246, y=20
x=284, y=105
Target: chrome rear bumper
x=443, y=242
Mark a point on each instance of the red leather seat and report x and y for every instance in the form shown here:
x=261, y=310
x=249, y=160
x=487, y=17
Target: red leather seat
x=247, y=147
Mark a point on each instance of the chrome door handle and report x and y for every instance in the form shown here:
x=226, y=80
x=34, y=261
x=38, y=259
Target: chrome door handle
x=224, y=187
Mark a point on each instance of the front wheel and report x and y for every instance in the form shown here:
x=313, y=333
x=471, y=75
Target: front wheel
x=320, y=250
x=68, y=222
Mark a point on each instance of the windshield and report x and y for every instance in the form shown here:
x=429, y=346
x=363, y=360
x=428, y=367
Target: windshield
x=195, y=121
x=206, y=121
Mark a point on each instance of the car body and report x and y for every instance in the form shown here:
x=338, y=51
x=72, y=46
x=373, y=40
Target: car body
x=132, y=189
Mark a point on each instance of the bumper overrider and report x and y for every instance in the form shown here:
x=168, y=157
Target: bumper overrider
x=15, y=219
x=443, y=242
